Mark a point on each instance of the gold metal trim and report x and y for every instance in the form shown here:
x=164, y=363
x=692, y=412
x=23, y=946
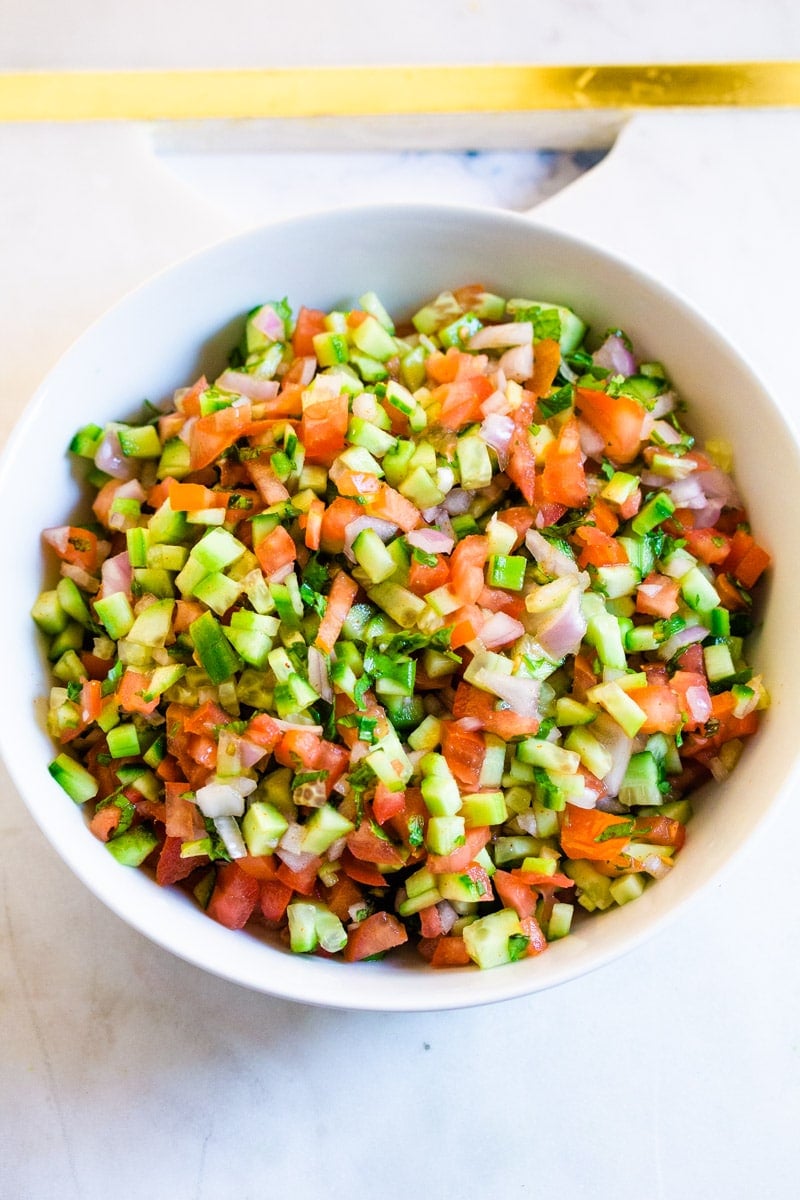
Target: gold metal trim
x=185, y=95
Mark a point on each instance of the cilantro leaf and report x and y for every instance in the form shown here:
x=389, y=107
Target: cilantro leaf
x=546, y=322
x=558, y=402
x=315, y=574
x=423, y=557
x=517, y=946
x=623, y=829
x=313, y=599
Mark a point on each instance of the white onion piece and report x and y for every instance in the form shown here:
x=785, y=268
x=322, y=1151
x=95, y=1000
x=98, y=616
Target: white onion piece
x=470, y=724
x=615, y=356
x=318, y=675
x=336, y=849
x=81, y=577
x=110, y=459
x=116, y=574
x=698, y=702
x=220, y=800
x=517, y=363
x=498, y=402
x=552, y=560
x=499, y=630
x=281, y=574
x=663, y=404
x=610, y=735
x=687, y=493
x=384, y=530
x=248, y=385
x=292, y=839
x=593, y=444
x=666, y=433
x=719, y=487
x=494, y=337
x=527, y=822
x=561, y=632
x=520, y=693
x=434, y=541
x=231, y=835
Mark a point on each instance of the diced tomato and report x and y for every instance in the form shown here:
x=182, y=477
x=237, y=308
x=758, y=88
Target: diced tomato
x=212, y=434
x=498, y=600
x=269, y=487
x=466, y=623
x=520, y=519
x=234, y=898
x=131, y=693
x=390, y=505
x=541, y=880
x=603, y=516
x=467, y=564
x=460, y=858
x=729, y=594
x=515, y=893
x=343, y=895
x=660, y=831
x=374, y=935
x=362, y=872
x=73, y=545
x=105, y=822
x=276, y=550
x=311, y=523
x=310, y=322
x=709, y=545
x=323, y=429
x=206, y=719
x=460, y=401
x=340, y=600
x=746, y=560
x=450, y=952
x=472, y=702
x=387, y=804
x=299, y=749
x=618, y=419
x=598, y=549
x=260, y=866
x=423, y=579
x=368, y=846
x=430, y=922
x=691, y=690
x=661, y=708
x=274, y=898
x=337, y=516
x=546, y=362
x=537, y=942
x=264, y=731
x=584, y=834
x=183, y=818
x=657, y=596
x=303, y=881
x=464, y=751
x=521, y=467
x=563, y=480
x=171, y=868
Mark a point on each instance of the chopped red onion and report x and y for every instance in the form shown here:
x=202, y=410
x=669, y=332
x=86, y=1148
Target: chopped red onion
x=295, y=860
x=267, y=321
x=561, y=632
x=498, y=402
x=680, y=640
x=89, y=583
x=248, y=385
x=434, y=541
x=497, y=431
x=552, y=560
x=699, y=703
x=495, y=337
x=610, y=735
x=521, y=693
x=499, y=630
x=593, y=444
x=286, y=726
x=663, y=404
x=110, y=459
x=686, y=493
x=116, y=574
x=250, y=753
x=615, y=356
x=470, y=724
x=457, y=502
x=447, y=915
x=517, y=363
x=384, y=530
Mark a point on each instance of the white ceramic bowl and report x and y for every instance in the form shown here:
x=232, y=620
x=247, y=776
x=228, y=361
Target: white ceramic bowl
x=159, y=337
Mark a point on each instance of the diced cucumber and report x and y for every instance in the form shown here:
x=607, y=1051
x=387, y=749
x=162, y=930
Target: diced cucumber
x=133, y=847
x=79, y=784
x=487, y=939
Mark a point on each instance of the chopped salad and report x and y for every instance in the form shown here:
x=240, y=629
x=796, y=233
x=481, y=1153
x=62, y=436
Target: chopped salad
x=417, y=634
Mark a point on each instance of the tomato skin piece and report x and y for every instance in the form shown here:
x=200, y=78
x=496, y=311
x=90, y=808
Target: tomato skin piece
x=464, y=751
x=563, y=480
x=546, y=361
x=310, y=322
x=377, y=933
x=618, y=419
x=322, y=430
x=515, y=893
x=580, y=829
x=467, y=564
x=171, y=868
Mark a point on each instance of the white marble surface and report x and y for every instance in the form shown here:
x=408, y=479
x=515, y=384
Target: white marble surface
x=673, y=1074
x=115, y=33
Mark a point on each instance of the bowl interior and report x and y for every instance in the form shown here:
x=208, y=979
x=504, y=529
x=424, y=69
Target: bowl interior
x=185, y=321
